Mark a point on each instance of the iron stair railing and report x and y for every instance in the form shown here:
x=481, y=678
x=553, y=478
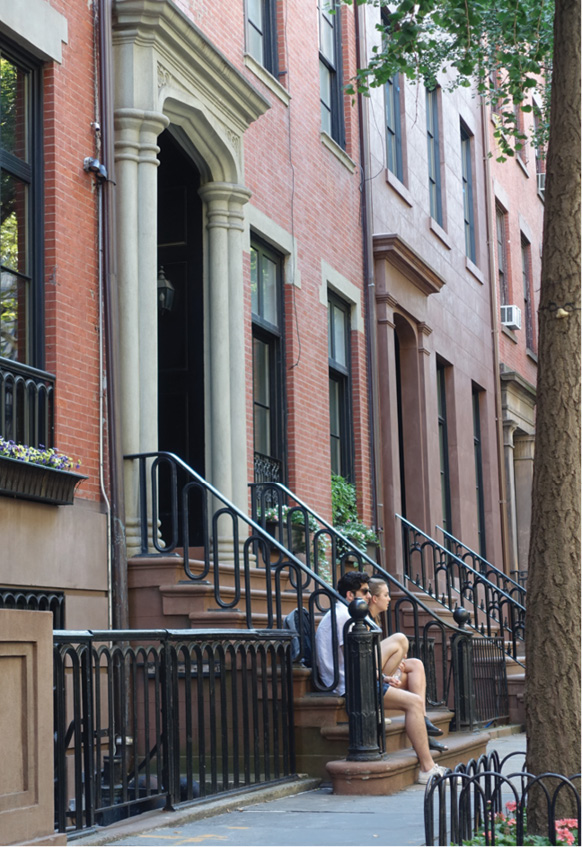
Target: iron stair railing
x=289, y=578
x=448, y=578
x=485, y=568
x=322, y=544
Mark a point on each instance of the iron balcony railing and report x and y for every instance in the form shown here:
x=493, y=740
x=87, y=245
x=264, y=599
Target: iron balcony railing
x=512, y=587
x=452, y=581
x=27, y=404
x=153, y=719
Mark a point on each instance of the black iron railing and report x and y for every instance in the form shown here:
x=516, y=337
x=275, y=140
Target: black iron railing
x=329, y=553
x=513, y=588
x=27, y=403
x=34, y=600
x=453, y=582
x=150, y=719
x=295, y=568
x=488, y=797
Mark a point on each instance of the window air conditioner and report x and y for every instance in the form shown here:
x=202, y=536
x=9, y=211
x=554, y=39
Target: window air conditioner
x=511, y=317
x=541, y=183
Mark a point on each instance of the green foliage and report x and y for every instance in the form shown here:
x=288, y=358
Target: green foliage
x=504, y=47
x=343, y=500
x=345, y=514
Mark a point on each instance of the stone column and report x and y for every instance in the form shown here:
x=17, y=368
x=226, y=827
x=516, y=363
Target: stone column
x=216, y=197
x=238, y=371
x=389, y=433
x=226, y=368
x=136, y=162
x=425, y=379
x=508, y=430
x=523, y=460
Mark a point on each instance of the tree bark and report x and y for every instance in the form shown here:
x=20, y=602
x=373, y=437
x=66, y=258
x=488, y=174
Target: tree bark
x=552, y=688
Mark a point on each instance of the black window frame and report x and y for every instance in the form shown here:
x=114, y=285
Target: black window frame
x=30, y=172
x=501, y=238
x=333, y=66
x=266, y=332
x=393, y=119
x=478, y=455
x=434, y=160
x=340, y=375
x=468, y=193
x=443, y=434
x=268, y=35
x=526, y=276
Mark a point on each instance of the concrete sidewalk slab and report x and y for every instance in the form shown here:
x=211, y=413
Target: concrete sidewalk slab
x=314, y=817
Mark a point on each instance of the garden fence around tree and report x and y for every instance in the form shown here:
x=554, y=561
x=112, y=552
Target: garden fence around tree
x=471, y=802
x=152, y=719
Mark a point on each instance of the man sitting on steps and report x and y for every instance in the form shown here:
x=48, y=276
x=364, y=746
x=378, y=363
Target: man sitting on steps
x=355, y=584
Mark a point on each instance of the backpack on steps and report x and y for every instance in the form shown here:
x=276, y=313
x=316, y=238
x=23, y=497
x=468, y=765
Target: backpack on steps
x=298, y=622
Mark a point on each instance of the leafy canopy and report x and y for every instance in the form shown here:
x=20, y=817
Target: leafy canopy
x=504, y=47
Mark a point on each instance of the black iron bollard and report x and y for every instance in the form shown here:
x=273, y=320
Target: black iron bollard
x=462, y=659
x=361, y=687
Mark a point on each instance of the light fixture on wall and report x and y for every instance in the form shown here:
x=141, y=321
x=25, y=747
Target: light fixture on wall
x=166, y=293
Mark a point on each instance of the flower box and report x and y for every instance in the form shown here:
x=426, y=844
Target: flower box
x=28, y=481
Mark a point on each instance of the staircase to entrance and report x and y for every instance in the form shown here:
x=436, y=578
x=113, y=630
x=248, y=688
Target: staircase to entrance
x=273, y=570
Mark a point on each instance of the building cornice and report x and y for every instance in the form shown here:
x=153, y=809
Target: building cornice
x=398, y=253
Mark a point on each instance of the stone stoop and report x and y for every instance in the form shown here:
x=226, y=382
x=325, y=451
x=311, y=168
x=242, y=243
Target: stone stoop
x=161, y=596
x=399, y=769
x=322, y=740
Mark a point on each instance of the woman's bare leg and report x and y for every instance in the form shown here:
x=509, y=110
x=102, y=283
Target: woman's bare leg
x=413, y=708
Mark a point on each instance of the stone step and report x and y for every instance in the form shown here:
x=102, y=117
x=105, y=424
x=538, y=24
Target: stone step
x=398, y=770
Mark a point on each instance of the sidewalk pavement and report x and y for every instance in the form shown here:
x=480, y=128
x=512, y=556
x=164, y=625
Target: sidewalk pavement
x=313, y=818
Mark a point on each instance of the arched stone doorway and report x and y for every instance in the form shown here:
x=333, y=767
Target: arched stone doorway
x=170, y=76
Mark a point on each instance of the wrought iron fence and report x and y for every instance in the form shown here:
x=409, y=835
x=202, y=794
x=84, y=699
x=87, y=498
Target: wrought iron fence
x=478, y=665
x=148, y=719
x=27, y=401
x=35, y=601
x=472, y=801
x=453, y=582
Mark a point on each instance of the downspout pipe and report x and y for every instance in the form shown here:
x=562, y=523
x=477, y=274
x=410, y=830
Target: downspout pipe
x=370, y=288
x=490, y=207
x=119, y=600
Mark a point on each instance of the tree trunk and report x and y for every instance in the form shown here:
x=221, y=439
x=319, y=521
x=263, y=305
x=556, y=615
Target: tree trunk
x=553, y=606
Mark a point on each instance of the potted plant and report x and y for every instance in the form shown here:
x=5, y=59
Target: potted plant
x=303, y=526
x=41, y=474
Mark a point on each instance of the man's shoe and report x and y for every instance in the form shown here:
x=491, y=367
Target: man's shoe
x=436, y=745
x=431, y=728
x=426, y=776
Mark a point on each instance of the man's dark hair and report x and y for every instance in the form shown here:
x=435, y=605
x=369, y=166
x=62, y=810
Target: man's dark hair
x=352, y=581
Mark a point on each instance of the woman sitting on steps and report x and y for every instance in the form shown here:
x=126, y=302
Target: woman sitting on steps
x=401, y=673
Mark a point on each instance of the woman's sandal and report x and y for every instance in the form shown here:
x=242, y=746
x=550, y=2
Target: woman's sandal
x=437, y=745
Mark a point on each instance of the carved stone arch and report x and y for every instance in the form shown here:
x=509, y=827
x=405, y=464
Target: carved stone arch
x=214, y=149
x=168, y=73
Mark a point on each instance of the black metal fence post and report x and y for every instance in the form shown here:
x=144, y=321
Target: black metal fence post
x=462, y=667
x=361, y=687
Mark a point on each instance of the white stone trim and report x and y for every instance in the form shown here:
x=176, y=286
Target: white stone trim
x=278, y=237
x=267, y=79
x=338, y=152
x=36, y=26
x=331, y=279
